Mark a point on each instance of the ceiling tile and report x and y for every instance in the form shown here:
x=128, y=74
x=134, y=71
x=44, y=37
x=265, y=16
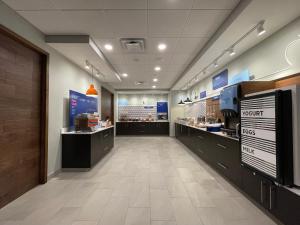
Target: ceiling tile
x=190, y=45
x=49, y=22
x=127, y=23
x=136, y=59
x=88, y=22
x=215, y=4
x=203, y=23
x=115, y=42
x=167, y=23
x=152, y=45
x=77, y=4
x=29, y=4
x=176, y=67
x=170, y=4
x=122, y=4
x=160, y=59
x=181, y=59
x=100, y=4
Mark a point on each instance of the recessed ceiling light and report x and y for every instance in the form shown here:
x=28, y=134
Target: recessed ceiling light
x=108, y=47
x=153, y=86
x=138, y=82
x=157, y=68
x=162, y=47
x=125, y=75
x=260, y=29
x=155, y=79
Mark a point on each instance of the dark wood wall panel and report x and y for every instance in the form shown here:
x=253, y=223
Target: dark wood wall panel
x=107, y=104
x=20, y=118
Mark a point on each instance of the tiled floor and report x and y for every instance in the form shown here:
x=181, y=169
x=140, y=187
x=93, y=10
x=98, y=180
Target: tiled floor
x=144, y=181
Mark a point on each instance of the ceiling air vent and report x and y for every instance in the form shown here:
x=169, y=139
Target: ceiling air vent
x=139, y=83
x=133, y=45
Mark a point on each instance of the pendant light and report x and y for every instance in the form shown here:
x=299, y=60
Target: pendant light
x=188, y=100
x=92, y=91
x=181, y=102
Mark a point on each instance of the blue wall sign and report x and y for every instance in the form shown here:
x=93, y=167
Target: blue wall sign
x=240, y=77
x=203, y=94
x=162, y=107
x=80, y=103
x=220, y=80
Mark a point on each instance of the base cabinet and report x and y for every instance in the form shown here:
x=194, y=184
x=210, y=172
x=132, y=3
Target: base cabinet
x=142, y=128
x=223, y=154
x=85, y=150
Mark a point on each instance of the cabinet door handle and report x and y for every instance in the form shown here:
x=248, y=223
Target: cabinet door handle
x=222, y=166
x=201, y=137
x=221, y=146
x=261, y=192
x=271, y=202
x=105, y=135
x=201, y=151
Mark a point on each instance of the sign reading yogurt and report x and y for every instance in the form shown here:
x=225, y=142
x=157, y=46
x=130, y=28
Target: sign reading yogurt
x=258, y=134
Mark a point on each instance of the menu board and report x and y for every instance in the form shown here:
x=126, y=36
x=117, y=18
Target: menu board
x=220, y=80
x=258, y=134
x=80, y=103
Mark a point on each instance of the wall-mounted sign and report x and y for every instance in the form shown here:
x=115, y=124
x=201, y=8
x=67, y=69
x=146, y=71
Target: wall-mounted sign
x=80, y=103
x=220, y=80
x=203, y=94
x=258, y=134
x=240, y=77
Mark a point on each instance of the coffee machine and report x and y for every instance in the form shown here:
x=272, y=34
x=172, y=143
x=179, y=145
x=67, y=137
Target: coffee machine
x=230, y=98
x=229, y=106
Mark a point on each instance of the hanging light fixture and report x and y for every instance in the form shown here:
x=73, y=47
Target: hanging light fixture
x=181, y=102
x=92, y=91
x=231, y=51
x=216, y=64
x=260, y=28
x=188, y=100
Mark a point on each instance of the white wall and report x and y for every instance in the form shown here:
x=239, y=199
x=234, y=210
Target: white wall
x=266, y=61
x=63, y=76
x=142, y=99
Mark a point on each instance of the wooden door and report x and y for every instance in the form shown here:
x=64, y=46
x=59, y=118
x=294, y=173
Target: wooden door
x=107, y=105
x=22, y=119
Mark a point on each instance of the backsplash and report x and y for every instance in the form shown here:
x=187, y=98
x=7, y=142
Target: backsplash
x=137, y=112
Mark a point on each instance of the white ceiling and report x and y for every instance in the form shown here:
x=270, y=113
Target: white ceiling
x=276, y=13
x=184, y=25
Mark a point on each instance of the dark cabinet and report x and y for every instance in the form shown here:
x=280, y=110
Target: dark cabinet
x=259, y=188
x=86, y=149
x=142, y=128
x=223, y=154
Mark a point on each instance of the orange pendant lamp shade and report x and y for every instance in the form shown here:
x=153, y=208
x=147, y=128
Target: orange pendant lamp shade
x=91, y=90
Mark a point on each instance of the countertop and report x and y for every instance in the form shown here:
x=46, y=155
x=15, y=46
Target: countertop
x=156, y=121
x=87, y=132
x=220, y=133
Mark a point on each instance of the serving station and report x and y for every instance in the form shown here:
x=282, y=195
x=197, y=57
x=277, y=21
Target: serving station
x=83, y=150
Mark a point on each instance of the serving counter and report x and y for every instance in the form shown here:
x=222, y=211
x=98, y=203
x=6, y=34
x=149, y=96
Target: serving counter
x=84, y=149
x=142, y=128
x=222, y=153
